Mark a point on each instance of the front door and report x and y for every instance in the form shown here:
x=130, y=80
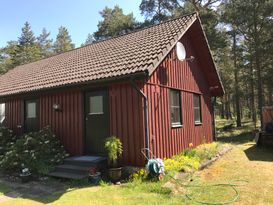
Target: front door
x=96, y=121
x=31, y=116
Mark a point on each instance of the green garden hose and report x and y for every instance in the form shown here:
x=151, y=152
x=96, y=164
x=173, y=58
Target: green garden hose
x=232, y=184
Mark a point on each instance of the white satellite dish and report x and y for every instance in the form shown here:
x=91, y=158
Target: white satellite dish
x=180, y=51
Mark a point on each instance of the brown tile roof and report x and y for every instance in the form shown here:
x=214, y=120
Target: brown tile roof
x=127, y=54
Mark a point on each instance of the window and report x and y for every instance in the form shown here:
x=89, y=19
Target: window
x=175, y=102
x=31, y=110
x=197, y=108
x=2, y=112
x=96, y=105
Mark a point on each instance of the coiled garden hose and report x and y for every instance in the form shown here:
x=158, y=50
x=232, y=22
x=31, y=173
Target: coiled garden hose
x=232, y=184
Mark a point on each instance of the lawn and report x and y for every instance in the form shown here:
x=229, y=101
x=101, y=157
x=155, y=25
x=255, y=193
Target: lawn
x=245, y=162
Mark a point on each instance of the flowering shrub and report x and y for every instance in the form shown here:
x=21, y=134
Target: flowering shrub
x=207, y=151
x=6, y=139
x=182, y=163
x=39, y=151
x=190, y=159
x=139, y=174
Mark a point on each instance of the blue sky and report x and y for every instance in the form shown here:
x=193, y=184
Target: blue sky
x=79, y=16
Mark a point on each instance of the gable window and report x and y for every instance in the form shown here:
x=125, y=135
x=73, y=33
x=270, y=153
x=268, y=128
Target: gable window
x=2, y=112
x=197, y=109
x=175, y=106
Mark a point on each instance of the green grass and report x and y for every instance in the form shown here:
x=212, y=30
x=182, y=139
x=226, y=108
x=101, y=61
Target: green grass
x=244, y=162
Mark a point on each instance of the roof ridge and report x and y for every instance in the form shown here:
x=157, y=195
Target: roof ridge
x=108, y=39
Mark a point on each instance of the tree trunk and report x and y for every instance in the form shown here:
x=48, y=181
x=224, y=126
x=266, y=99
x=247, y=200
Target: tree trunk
x=270, y=100
x=222, y=108
x=237, y=97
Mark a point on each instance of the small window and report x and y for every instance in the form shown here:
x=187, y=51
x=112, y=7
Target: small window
x=2, y=112
x=175, y=106
x=31, y=110
x=197, y=108
x=96, y=105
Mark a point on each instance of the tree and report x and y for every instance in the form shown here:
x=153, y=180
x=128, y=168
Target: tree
x=27, y=49
x=45, y=43
x=253, y=22
x=63, y=41
x=156, y=10
x=89, y=40
x=114, y=23
x=27, y=36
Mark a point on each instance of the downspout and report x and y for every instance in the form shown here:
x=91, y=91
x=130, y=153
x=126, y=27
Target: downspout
x=146, y=117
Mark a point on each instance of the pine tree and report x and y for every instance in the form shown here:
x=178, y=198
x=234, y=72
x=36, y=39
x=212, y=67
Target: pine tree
x=63, y=41
x=27, y=37
x=90, y=39
x=45, y=43
x=114, y=23
x=156, y=10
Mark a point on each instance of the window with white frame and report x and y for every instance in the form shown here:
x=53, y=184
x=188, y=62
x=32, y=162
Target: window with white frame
x=2, y=112
x=175, y=106
x=197, y=108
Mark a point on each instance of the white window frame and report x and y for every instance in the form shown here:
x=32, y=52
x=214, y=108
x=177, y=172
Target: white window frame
x=178, y=107
x=199, y=108
x=2, y=113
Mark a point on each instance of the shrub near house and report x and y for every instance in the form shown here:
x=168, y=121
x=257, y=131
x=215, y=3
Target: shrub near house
x=38, y=151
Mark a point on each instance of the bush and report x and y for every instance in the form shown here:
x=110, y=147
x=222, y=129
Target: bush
x=7, y=138
x=190, y=159
x=207, y=151
x=181, y=163
x=38, y=151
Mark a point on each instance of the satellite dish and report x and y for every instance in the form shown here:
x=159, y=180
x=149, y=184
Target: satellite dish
x=180, y=51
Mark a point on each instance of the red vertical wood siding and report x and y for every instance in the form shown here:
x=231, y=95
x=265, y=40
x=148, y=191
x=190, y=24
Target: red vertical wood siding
x=126, y=121
x=187, y=77
x=14, y=115
x=67, y=124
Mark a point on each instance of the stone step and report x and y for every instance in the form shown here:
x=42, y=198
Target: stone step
x=72, y=168
x=67, y=175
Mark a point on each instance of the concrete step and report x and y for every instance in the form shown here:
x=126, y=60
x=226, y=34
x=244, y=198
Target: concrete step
x=78, y=167
x=67, y=175
x=87, y=161
x=72, y=169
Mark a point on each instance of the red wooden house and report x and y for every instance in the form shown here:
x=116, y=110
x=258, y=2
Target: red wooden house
x=132, y=86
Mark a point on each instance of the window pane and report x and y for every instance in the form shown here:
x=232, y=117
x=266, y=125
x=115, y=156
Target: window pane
x=175, y=107
x=175, y=115
x=2, y=112
x=31, y=110
x=196, y=100
x=96, y=105
x=197, y=115
x=197, y=108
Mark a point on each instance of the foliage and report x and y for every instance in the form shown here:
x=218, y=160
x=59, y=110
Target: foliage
x=45, y=43
x=181, y=163
x=113, y=146
x=156, y=10
x=29, y=48
x=7, y=138
x=38, y=151
x=114, y=23
x=207, y=151
x=63, y=41
x=139, y=174
x=190, y=159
